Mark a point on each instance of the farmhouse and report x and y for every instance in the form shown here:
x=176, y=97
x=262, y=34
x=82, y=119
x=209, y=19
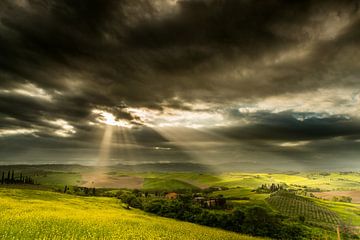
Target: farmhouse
x=211, y=202
x=171, y=195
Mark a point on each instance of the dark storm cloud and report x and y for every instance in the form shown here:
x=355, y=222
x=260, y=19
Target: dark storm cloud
x=308, y=139
x=132, y=51
x=291, y=126
x=109, y=54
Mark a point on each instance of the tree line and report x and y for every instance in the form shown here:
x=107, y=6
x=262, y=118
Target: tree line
x=255, y=220
x=264, y=188
x=10, y=178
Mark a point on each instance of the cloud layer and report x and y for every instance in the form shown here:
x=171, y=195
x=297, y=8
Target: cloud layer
x=275, y=77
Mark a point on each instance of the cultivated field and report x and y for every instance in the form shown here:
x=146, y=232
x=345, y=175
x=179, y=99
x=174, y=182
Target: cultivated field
x=297, y=206
x=329, y=195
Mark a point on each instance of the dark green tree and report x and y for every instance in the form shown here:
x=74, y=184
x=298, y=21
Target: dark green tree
x=12, y=177
x=8, y=177
x=259, y=222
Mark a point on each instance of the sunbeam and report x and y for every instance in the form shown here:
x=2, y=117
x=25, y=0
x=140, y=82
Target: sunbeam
x=186, y=139
x=105, y=146
x=111, y=125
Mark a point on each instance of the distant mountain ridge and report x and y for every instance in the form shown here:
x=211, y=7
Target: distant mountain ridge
x=160, y=167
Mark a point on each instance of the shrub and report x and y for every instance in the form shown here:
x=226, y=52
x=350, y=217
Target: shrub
x=131, y=200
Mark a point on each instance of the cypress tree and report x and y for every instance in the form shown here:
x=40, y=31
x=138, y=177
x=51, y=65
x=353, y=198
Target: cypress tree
x=8, y=177
x=2, y=178
x=12, y=176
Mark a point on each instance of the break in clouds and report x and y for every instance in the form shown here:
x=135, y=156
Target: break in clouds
x=271, y=84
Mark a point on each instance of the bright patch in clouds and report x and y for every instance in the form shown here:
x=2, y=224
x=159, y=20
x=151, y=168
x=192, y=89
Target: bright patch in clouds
x=168, y=117
x=179, y=118
x=20, y=131
x=162, y=148
x=191, y=119
x=293, y=144
x=109, y=119
x=323, y=101
x=29, y=90
x=65, y=129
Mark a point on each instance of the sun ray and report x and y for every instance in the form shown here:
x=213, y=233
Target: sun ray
x=117, y=143
x=126, y=143
x=105, y=146
x=187, y=139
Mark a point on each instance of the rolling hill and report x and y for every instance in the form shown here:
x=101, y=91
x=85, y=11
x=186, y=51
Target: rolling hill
x=36, y=214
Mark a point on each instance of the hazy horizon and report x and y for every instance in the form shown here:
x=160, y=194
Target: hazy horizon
x=270, y=84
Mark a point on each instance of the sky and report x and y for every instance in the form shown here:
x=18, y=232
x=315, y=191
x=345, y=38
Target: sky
x=267, y=84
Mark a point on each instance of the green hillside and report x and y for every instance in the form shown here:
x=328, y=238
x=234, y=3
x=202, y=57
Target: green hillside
x=35, y=214
x=166, y=184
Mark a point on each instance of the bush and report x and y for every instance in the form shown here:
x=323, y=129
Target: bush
x=154, y=206
x=131, y=200
x=292, y=231
x=259, y=222
x=342, y=199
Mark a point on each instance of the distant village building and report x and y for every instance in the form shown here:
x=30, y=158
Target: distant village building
x=211, y=202
x=171, y=195
x=199, y=199
x=218, y=188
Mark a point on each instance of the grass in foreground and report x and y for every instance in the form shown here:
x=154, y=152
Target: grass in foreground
x=35, y=214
